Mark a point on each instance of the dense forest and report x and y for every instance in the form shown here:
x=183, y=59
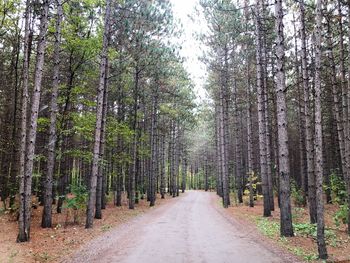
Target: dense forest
x=93, y=97
x=279, y=89
x=96, y=102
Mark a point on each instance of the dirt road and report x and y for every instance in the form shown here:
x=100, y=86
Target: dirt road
x=190, y=229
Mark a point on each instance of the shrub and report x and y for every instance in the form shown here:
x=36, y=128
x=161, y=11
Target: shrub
x=297, y=195
x=75, y=201
x=341, y=216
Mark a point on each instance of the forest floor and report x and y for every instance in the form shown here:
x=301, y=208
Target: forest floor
x=51, y=245
x=304, y=243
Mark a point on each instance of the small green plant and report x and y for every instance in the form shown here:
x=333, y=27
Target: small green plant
x=339, y=196
x=268, y=228
x=76, y=200
x=341, y=216
x=311, y=257
x=305, y=229
x=337, y=187
x=310, y=230
x=301, y=253
x=297, y=195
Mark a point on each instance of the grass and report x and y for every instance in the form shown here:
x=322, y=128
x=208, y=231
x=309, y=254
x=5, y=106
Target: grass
x=271, y=229
x=267, y=227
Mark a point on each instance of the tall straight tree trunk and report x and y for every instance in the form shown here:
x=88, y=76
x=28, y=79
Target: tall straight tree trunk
x=345, y=105
x=238, y=148
x=51, y=158
x=266, y=109
x=268, y=141
x=206, y=182
x=261, y=114
x=223, y=159
x=274, y=129
x=30, y=151
x=170, y=160
x=219, y=189
x=23, y=234
x=249, y=112
x=225, y=123
x=284, y=172
x=100, y=190
x=250, y=140
x=99, y=112
x=162, y=167
x=134, y=148
x=154, y=157
x=322, y=251
x=184, y=174
x=301, y=108
x=308, y=120
x=177, y=158
x=14, y=136
x=173, y=159
x=346, y=112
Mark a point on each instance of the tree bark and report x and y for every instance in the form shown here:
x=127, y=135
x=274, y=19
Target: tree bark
x=99, y=112
x=284, y=172
x=261, y=114
x=51, y=158
x=100, y=189
x=308, y=120
x=24, y=233
x=322, y=250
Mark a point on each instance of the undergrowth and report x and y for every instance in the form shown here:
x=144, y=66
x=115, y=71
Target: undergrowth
x=271, y=229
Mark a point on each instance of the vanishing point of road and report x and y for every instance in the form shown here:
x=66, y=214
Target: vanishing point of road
x=189, y=229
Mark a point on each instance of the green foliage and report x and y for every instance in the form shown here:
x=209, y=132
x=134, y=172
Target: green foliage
x=78, y=198
x=255, y=183
x=43, y=124
x=301, y=253
x=305, y=229
x=339, y=196
x=267, y=227
x=337, y=187
x=341, y=216
x=271, y=229
x=84, y=125
x=310, y=230
x=297, y=195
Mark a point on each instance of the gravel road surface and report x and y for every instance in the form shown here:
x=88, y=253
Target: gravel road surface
x=188, y=229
